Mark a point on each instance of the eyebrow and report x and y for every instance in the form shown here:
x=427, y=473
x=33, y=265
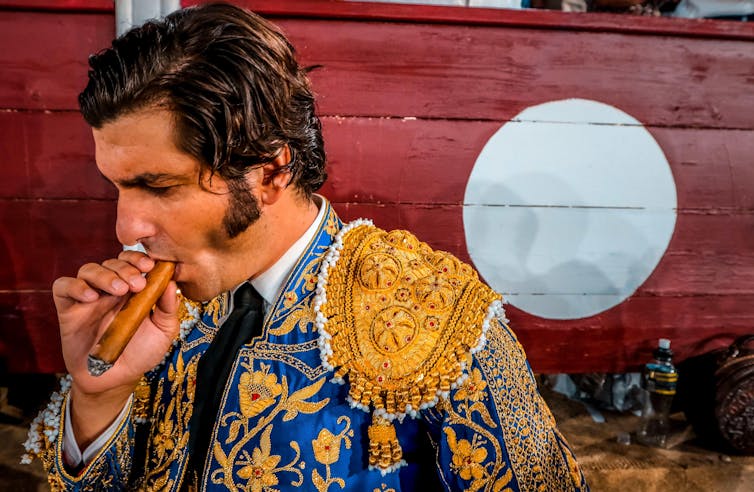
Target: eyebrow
x=149, y=179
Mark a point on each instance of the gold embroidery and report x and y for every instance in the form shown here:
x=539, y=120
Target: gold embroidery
x=302, y=317
x=217, y=307
x=402, y=320
x=473, y=389
x=467, y=458
x=331, y=228
x=383, y=488
x=384, y=448
x=289, y=299
x=142, y=394
x=260, y=469
x=257, y=391
x=327, y=451
x=532, y=441
x=169, y=436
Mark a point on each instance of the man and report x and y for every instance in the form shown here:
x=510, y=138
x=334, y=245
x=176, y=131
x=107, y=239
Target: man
x=205, y=124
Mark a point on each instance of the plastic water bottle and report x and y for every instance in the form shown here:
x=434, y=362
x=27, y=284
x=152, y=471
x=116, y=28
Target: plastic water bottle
x=659, y=381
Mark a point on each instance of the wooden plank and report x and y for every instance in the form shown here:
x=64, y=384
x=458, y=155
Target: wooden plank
x=438, y=71
x=711, y=168
x=42, y=240
x=547, y=19
x=49, y=155
x=622, y=338
x=47, y=67
x=424, y=70
x=29, y=336
x=380, y=160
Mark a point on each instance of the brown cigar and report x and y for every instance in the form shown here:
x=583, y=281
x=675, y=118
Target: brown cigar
x=122, y=328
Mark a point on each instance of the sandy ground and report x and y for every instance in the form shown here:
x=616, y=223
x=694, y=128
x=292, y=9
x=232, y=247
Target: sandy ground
x=609, y=465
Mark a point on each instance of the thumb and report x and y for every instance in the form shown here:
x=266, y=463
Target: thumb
x=165, y=315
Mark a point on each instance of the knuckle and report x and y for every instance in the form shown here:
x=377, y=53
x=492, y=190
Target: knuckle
x=87, y=269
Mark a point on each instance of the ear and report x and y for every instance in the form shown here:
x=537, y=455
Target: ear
x=276, y=176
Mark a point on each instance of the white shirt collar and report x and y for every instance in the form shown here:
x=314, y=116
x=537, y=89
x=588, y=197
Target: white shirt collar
x=270, y=282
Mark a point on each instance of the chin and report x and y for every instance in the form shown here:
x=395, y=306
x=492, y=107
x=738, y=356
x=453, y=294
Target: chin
x=196, y=292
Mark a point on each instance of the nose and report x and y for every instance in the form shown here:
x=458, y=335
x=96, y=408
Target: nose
x=134, y=223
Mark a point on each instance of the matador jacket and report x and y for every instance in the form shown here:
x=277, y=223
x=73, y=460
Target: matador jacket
x=382, y=366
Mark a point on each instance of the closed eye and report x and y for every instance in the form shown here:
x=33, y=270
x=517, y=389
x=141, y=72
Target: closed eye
x=159, y=190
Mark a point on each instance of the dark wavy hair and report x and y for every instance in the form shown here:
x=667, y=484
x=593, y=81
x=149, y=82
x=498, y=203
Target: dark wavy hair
x=230, y=78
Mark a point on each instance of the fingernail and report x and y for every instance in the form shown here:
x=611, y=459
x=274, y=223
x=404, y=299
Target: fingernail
x=90, y=295
x=145, y=263
x=118, y=284
x=137, y=281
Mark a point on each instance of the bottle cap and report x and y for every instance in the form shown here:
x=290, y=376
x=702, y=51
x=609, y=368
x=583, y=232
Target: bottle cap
x=664, y=343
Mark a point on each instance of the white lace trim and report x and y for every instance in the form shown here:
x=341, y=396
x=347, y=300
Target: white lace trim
x=44, y=429
x=320, y=297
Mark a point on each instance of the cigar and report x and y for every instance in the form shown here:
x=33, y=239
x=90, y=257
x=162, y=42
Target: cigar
x=122, y=328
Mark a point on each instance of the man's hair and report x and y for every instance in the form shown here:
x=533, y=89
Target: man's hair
x=231, y=80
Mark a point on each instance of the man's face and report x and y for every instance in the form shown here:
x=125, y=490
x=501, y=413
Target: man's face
x=171, y=206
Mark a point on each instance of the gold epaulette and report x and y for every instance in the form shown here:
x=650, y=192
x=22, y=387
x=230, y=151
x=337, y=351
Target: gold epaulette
x=398, y=322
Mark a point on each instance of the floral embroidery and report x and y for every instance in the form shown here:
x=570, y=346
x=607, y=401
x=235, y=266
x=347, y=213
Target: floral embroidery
x=290, y=299
x=468, y=462
x=310, y=281
x=260, y=470
x=467, y=457
x=473, y=389
x=262, y=399
x=257, y=391
x=327, y=451
x=332, y=225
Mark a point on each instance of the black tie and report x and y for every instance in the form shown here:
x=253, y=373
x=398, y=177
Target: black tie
x=244, y=323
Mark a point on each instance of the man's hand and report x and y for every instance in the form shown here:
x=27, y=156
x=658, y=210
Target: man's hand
x=86, y=305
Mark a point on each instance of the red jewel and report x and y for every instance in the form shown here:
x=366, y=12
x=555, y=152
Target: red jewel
x=255, y=396
x=445, y=269
x=431, y=306
x=389, y=283
x=408, y=338
x=366, y=307
x=431, y=323
x=389, y=324
x=327, y=448
x=385, y=365
x=380, y=379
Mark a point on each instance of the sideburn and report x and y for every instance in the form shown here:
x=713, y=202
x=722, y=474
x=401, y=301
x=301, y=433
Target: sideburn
x=243, y=209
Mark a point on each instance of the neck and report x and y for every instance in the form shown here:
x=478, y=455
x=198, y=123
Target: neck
x=280, y=225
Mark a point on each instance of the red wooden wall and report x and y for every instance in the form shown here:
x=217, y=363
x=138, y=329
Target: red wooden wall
x=408, y=97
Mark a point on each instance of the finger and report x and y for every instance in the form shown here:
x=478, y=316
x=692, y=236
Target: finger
x=138, y=259
x=68, y=290
x=126, y=271
x=104, y=279
x=165, y=315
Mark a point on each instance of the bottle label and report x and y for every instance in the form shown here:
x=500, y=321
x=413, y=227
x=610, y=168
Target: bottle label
x=661, y=379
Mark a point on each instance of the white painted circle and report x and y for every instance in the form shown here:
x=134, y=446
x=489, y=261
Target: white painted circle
x=569, y=208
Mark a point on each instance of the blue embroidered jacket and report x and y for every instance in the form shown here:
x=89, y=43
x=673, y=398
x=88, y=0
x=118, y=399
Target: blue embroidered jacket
x=284, y=423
